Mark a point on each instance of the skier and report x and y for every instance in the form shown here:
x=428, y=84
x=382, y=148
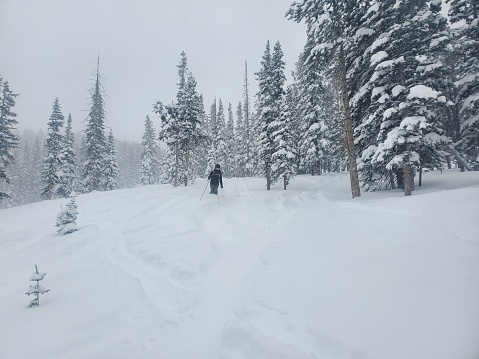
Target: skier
x=216, y=179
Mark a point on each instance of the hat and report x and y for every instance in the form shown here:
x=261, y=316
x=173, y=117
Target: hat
x=217, y=166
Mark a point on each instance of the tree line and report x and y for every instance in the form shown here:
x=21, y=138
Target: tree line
x=382, y=89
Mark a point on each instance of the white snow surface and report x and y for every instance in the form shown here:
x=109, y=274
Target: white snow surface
x=153, y=272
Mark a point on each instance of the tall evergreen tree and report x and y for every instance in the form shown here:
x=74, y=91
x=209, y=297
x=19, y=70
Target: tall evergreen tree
x=241, y=158
x=149, y=159
x=95, y=139
x=230, y=140
x=313, y=138
x=180, y=126
x=327, y=29
x=221, y=150
x=248, y=124
x=464, y=16
x=110, y=171
x=68, y=176
x=8, y=139
x=269, y=99
x=53, y=161
x=213, y=134
x=284, y=156
x=406, y=97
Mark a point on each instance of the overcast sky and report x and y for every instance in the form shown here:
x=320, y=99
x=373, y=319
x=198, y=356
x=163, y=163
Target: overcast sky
x=49, y=49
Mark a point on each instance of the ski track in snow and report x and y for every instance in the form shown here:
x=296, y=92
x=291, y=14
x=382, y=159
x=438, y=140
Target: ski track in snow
x=249, y=273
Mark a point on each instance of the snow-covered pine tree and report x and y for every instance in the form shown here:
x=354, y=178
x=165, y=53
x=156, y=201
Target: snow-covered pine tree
x=327, y=29
x=53, y=161
x=200, y=155
x=230, y=140
x=464, y=17
x=149, y=159
x=169, y=133
x=336, y=153
x=193, y=135
x=313, y=139
x=248, y=124
x=241, y=158
x=95, y=139
x=68, y=176
x=66, y=218
x=180, y=125
x=292, y=106
x=221, y=150
x=284, y=157
x=269, y=99
x=37, y=288
x=213, y=131
x=406, y=101
x=111, y=171
x=8, y=139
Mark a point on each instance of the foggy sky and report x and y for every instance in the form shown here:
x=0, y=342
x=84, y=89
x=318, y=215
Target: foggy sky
x=50, y=47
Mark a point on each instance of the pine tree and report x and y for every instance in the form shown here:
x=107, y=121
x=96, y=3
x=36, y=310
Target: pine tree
x=336, y=154
x=464, y=16
x=213, y=134
x=221, y=150
x=230, y=140
x=68, y=161
x=95, y=139
x=241, y=158
x=8, y=138
x=327, y=30
x=313, y=139
x=284, y=156
x=111, y=171
x=180, y=125
x=53, y=160
x=248, y=125
x=269, y=99
x=66, y=218
x=406, y=97
x=292, y=100
x=149, y=160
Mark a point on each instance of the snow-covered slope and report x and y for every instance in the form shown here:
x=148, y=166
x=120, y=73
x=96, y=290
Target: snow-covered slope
x=153, y=272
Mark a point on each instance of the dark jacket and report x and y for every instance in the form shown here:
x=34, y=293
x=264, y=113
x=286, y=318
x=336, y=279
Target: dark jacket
x=216, y=177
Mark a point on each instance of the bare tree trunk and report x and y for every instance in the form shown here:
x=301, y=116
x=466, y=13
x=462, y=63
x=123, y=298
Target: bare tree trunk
x=176, y=167
x=353, y=168
x=420, y=176
x=284, y=182
x=408, y=180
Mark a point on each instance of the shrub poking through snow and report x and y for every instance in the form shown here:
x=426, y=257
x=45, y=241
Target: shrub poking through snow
x=37, y=288
x=66, y=218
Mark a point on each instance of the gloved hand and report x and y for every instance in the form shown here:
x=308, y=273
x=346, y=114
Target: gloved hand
x=221, y=186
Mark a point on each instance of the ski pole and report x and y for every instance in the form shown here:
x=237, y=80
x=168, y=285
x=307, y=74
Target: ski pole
x=207, y=181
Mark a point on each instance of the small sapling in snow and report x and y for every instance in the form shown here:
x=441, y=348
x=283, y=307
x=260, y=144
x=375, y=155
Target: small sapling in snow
x=66, y=218
x=37, y=288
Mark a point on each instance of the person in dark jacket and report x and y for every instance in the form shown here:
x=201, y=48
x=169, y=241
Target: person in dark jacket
x=216, y=179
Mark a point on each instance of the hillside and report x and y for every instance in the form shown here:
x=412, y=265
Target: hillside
x=154, y=272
